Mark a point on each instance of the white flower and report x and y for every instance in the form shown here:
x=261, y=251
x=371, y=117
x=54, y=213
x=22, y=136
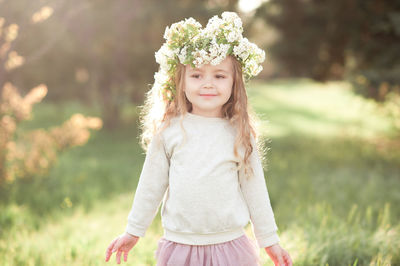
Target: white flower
x=243, y=49
x=233, y=36
x=229, y=16
x=161, y=58
x=160, y=78
x=193, y=22
x=166, y=33
x=238, y=22
x=257, y=70
x=223, y=49
x=253, y=67
x=216, y=61
x=182, y=55
x=198, y=61
x=213, y=25
x=261, y=56
x=164, y=54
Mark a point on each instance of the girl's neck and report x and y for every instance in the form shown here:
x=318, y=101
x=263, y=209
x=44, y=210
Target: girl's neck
x=216, y=113
x=198, y=117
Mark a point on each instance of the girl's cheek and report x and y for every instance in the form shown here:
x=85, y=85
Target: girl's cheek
x=226, y=82
x=193, y=83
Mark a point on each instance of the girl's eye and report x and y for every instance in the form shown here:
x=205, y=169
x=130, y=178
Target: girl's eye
x=195, y=76
x=220, y=77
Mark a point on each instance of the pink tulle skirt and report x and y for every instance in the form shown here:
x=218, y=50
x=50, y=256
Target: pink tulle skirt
x=241, y=251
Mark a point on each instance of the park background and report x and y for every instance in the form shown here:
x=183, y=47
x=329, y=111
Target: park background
x=73, y=73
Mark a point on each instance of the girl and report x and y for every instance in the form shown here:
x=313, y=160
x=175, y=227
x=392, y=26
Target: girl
x=202, y=159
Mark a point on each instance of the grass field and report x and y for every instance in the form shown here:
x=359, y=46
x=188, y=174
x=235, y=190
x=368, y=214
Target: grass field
x=332, y=170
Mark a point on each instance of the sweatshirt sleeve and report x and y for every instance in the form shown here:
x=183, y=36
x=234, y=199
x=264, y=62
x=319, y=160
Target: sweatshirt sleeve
x=255, y=193
x=153, y=183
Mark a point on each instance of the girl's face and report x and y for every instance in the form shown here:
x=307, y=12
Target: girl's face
x=209, y=87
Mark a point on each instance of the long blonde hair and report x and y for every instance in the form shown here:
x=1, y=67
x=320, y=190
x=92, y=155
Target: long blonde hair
x=157, y=111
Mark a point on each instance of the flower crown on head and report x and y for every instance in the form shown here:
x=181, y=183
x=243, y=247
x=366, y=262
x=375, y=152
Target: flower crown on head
x=188, y=43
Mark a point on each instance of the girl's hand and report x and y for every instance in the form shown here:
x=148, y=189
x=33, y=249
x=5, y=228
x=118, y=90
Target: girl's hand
x=122, y=243
x=278, y=255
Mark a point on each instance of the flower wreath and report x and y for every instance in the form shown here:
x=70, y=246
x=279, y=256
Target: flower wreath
x=188, y=43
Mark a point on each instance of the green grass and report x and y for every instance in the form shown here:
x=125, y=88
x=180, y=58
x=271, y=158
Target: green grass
x=332, y=179
x=310, y=108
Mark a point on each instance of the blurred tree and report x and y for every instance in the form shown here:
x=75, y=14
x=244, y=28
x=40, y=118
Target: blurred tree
x=29, y=154
x=337, y=39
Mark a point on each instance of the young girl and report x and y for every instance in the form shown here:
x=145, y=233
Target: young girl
x=202, y=159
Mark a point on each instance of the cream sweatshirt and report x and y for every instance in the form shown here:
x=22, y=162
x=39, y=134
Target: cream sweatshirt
x=205, y=199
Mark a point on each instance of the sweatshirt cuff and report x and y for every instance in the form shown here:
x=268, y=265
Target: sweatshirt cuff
x=135, y=231
x=268, y=240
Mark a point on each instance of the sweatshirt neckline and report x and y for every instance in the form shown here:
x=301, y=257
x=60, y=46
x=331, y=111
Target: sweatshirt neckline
x=200, y=118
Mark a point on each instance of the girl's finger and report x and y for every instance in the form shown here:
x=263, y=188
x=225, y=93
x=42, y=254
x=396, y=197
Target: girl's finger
x=116, y=246
x=108, y=255
x=109, y=249
x=118, y=256
x=280, y=259
x=287, y=259
x=125, y=256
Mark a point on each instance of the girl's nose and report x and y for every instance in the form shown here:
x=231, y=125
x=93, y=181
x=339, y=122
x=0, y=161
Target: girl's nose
x=208, y=83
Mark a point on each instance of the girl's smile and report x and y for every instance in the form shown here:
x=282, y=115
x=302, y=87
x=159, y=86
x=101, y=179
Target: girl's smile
x=208, y=95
